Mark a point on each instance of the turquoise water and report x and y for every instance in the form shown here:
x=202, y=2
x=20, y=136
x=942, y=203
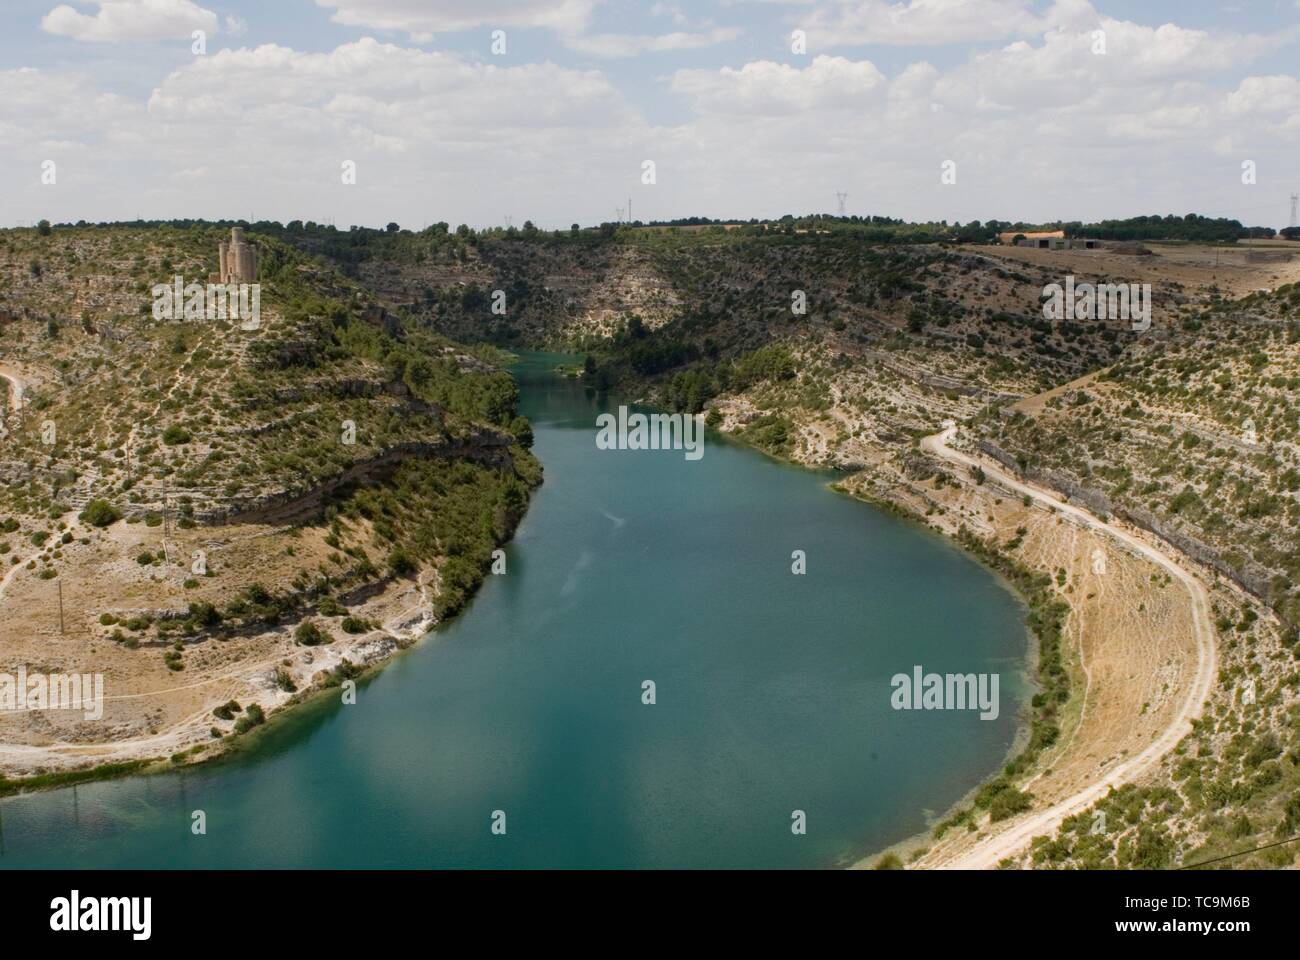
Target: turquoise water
x=772, y=692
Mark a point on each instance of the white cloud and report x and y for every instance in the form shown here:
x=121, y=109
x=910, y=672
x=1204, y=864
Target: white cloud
x=119, y=21
x=1062, y=70
x=391, y=91
x=425, y=17
x=674, y=12
x=61, y=109
x=433, y=136
x=770, y=88
x=570, y=19
x=917, y=22
x=1039, y=128
x=841, y=23
x=1275, y=94
x=613, y=45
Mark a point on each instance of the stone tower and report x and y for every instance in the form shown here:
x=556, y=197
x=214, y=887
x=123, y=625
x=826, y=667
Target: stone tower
x=236, y=260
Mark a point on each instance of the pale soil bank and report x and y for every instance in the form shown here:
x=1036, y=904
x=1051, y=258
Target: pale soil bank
x=150, y=710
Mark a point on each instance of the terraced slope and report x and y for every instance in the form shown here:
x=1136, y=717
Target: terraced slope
x=1195, y=438
x=1181, y=437
x=221, y=506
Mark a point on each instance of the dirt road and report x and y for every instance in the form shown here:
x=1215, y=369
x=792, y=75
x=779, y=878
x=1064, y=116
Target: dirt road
x=17, y=387
x=1015, y=834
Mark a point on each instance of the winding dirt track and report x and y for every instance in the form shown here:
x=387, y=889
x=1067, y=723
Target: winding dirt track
x=17, y=388
x=1007, y=842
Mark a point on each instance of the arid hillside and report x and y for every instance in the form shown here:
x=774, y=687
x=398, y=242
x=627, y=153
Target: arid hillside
x=205, y=509
x=1194, y=438
x=831, y=350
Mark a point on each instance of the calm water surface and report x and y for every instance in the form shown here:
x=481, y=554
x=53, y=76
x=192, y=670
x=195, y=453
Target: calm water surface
x=772, y=692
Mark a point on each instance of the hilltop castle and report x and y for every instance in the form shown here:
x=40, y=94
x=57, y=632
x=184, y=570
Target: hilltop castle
x=236, y=260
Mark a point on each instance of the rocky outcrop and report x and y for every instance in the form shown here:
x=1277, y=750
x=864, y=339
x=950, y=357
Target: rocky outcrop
x=488, y=447
x=1249, y=576
x=14, y=473
x=936, y=381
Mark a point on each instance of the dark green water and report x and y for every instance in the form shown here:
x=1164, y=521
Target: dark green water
x=772, y=692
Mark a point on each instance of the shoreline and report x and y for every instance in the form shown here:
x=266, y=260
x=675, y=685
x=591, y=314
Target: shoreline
x=297, y=708
x=836, y=478
x=185, y=744
x=1019, y=831
x=907, y=846
x=400, y=611
x=907, y=850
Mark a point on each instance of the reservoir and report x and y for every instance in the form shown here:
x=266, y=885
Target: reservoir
x=771, y=691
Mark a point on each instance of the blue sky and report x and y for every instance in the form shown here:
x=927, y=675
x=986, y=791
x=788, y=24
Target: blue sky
x=558, y=129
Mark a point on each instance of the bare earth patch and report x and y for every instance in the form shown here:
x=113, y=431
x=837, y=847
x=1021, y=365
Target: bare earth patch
x=151, y=710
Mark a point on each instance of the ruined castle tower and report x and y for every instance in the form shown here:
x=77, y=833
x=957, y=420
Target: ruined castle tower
x=236, y=260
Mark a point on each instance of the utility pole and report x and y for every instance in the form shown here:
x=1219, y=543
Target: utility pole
x=842, y=196
x=61, y=630
x=167, y=521
x=1295, y=198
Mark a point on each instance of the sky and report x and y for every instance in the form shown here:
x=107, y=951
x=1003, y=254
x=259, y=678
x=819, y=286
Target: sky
x=490, y=112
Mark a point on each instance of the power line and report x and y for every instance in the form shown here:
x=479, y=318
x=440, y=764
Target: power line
x=1239, y=853
x=842, y=196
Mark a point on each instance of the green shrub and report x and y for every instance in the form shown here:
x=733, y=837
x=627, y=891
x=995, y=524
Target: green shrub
x=176, y=435
x=400, y=563
x=309, y=635
x=204, y=614
x=252, y=717
x=1008, y=803
x=100, y=513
